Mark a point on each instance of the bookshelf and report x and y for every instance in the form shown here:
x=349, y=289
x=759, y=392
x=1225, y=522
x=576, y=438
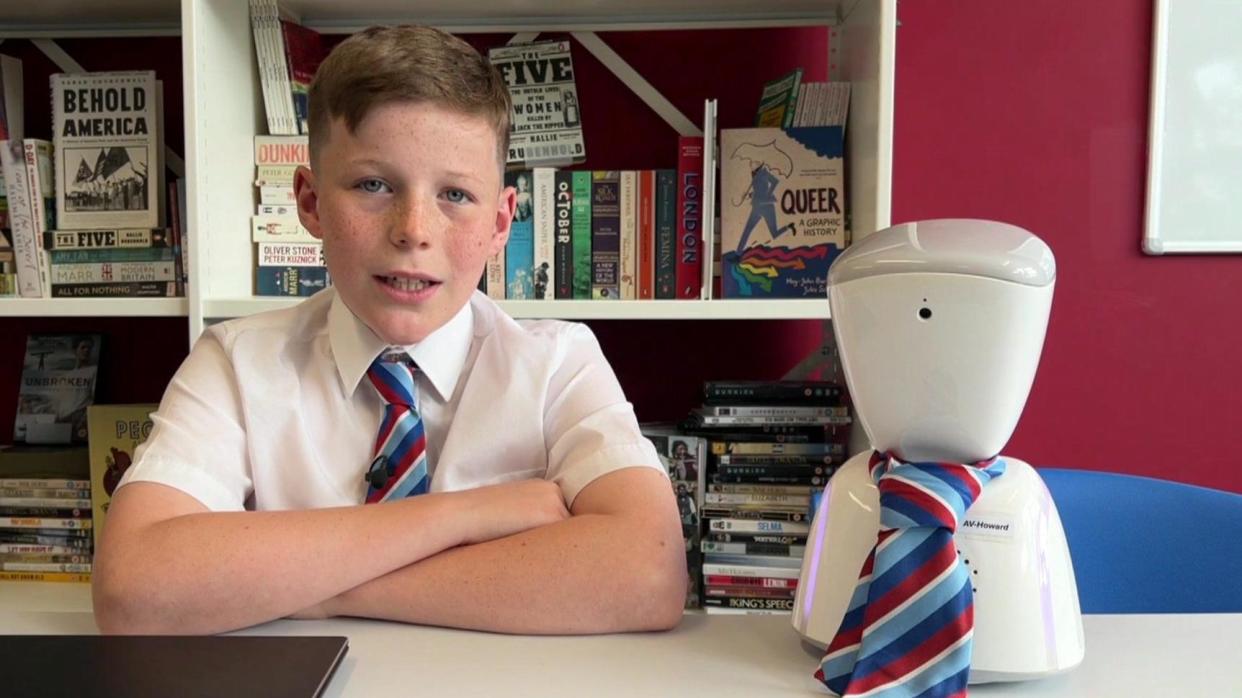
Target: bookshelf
x=224, y=111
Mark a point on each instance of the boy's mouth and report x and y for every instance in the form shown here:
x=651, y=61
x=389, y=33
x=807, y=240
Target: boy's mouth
x=402, y=283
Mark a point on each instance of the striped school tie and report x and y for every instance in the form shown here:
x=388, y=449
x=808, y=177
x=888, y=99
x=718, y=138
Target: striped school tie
x=907, y=631
x=399, y=460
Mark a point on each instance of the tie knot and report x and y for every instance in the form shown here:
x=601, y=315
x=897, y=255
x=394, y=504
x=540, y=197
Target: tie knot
x=929, y=494
x=392, y=374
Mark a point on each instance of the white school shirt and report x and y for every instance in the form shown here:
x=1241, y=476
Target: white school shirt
x=274, y=411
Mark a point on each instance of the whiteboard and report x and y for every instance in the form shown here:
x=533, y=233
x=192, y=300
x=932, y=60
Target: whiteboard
x=1194, y=168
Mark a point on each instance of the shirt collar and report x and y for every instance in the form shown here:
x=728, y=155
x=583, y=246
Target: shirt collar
x=440, y=356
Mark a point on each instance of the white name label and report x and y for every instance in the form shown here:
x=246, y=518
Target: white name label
x=987, y=525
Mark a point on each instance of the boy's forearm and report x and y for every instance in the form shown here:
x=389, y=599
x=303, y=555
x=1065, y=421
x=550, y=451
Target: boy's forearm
x=213, y=572
x=592, y=573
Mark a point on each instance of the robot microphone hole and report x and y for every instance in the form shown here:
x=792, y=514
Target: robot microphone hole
x=925, y=313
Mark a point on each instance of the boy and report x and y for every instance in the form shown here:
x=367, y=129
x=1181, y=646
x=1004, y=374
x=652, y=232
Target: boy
x=545, y=509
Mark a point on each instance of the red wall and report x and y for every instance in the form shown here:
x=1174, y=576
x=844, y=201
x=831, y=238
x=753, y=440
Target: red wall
x=1032, y=113
x=1036, y=114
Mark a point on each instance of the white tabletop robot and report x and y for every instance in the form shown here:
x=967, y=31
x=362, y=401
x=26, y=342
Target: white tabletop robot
x=940, y=325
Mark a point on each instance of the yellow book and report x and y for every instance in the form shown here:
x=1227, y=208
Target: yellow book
x=114, y=432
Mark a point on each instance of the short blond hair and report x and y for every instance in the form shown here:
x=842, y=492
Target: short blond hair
x=407, y=63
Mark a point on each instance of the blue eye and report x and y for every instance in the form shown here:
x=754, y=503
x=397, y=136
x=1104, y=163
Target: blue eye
x=372, y=185
x=457, y=196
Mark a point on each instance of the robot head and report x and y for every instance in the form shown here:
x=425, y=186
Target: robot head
x=940, y=325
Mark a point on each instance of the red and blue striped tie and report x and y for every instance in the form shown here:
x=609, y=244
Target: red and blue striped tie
x=907, y=631
x=401, y=445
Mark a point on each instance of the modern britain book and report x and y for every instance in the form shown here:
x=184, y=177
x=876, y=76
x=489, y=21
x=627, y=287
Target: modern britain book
x=108, y=165
x=546, y=123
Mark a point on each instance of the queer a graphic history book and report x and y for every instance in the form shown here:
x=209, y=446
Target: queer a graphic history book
x=108, y=165
x=57, y=385
x=782, y=211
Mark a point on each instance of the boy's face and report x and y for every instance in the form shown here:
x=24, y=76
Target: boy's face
x=409, y=208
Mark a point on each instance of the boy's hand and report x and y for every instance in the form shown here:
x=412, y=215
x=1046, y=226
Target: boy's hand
x=512, y=507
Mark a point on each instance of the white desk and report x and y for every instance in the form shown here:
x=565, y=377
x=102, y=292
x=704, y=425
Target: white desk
x=713, y=656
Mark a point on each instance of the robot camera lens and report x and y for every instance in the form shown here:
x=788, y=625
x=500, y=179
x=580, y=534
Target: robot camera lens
x=925, y=313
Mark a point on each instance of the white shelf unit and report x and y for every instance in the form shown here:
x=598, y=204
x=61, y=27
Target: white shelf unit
x=224, y=111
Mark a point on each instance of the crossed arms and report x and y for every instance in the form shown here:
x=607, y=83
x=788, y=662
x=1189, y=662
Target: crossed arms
x=506, y=558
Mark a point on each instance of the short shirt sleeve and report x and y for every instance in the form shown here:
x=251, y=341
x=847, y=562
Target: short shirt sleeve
x=589, y=426
x=198, y=441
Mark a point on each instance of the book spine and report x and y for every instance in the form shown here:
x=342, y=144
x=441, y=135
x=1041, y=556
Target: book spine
x=564, y=222
x=271, y=228
x=38, y=155
x=94, y=273
x=666, y=234
x=115, y=289
x=42, y=482
x=111, y=254
x=646, y=234
x=712, y=569
x=750, y=603
x=520, y=249
x=494, y=276
x=629, y=235
x=21, y=218
x=124, y=238
x=290, y=281
x=605, y=235
x=789, y=392
x=544, y=265
x=759, y=526
x=689, y=217
x=582, y=234
x=43, y=522
x=750, y=581
x=44, y=577
x=46, y=502
x=284, y=254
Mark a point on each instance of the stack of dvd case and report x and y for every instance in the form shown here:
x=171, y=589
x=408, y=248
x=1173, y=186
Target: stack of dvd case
x=771, y=446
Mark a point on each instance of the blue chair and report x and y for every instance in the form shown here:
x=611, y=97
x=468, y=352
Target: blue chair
x=1142, y=545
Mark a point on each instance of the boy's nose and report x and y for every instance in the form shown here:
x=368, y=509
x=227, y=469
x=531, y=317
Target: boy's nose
x=412, y=225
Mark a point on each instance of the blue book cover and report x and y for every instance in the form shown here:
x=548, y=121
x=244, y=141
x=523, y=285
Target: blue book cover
x=520, y=250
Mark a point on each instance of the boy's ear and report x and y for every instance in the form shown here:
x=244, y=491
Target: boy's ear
x=506, y=207
x=308, y=200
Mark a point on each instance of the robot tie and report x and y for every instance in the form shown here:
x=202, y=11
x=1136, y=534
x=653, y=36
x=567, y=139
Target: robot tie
x=399, y=465
x=907, y=631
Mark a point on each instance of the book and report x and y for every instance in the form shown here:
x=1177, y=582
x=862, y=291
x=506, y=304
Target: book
x=546, y=121
x=107, y=143
x=12, y=122
x=690, y=214
x=520, y=248
x=563, y=222
x=115, y=433
x=57, y=385
x=605, y=235
x=543, y=269
x=581, y=223
x=24, y=228
x=778, y=101
x=782, y=211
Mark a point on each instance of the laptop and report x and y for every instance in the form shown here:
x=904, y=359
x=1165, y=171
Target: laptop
x=136, y=666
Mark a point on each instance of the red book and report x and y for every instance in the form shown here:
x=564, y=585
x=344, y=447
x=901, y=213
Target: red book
x=690, y=217
x=646, y=235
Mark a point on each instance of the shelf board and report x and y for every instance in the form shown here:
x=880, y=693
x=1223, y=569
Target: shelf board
x=93, y=307
x=563, y=15
x=793, y=309
x=65, y=18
